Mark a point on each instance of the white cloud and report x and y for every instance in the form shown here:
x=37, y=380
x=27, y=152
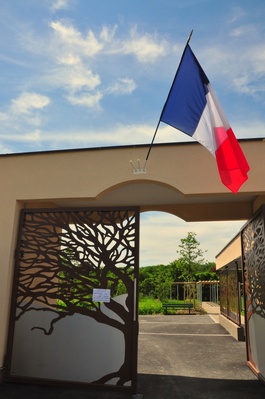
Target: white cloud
x=122, y=86
x=243, y=31
x=74, y=62
x=73, y=51
x=107, y=33
x=242, y=69
x=23, y=114
x=72, y=39
x=86, y=100
x=75, y=80
x=28, y=102
x=59, y=5
x=33, y=136
x=249, y=128
x=236, y=13
x=21, y=141
x=69, y=59
x=160, y=235
x=146, y=48
x=3, y=117
x=119, y=134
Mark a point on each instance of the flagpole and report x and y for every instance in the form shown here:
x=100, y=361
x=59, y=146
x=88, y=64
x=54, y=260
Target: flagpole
x=189, y=38
x=152, y=142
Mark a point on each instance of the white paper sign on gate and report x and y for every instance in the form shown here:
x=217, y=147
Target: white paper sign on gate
x=101, y=295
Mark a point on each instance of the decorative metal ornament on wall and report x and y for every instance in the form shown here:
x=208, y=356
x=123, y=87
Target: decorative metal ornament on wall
x=74, y=315
x=253, y=243
x=253, y=259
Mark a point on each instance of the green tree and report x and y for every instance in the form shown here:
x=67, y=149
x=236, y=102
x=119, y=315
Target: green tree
x=158, y=281
x=191, y=256
x=155, y=281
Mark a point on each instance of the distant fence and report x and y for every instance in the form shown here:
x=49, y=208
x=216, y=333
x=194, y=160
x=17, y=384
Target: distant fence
x=207, y=291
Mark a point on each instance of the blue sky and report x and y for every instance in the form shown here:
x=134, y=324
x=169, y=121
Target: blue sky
x=83, y=73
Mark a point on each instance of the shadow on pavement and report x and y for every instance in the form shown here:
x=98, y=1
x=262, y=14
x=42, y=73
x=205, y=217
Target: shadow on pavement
x=167, y=387
x=149, y=387
x=183, y=357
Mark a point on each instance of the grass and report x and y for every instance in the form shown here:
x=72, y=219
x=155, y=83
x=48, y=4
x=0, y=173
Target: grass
x=150, y=306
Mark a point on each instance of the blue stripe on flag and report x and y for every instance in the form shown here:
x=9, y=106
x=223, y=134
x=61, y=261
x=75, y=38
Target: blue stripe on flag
x=186, y=100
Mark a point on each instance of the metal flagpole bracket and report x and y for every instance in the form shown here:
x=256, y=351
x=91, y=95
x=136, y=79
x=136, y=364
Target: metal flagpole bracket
x=138, y=170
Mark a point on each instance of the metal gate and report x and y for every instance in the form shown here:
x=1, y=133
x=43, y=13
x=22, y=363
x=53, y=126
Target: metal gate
x=230, y=296
x=253, y=252
x=74, y=314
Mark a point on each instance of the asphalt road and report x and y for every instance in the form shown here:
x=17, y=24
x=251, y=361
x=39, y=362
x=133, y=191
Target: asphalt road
x=193, y=357
x=179, y=357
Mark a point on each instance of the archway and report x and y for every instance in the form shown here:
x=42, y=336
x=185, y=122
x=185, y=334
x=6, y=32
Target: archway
x=103, y=177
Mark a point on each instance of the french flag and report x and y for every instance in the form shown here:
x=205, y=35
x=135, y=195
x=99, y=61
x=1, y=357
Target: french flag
x=193, y=108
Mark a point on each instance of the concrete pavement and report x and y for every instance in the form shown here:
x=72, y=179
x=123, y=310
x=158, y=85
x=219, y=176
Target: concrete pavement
x=193, y=357
x=211, y=307
x=180, y=357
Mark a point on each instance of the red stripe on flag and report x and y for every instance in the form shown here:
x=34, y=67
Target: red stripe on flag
x=231, y=162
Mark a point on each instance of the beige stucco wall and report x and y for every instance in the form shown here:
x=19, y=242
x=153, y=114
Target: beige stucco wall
x=8, y=235
x=231, y=252
x=180, y=178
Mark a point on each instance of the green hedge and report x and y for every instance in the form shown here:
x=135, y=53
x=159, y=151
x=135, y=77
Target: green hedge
x=149, y=306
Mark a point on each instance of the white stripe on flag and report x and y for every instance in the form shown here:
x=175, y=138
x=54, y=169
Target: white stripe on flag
x=204, y=133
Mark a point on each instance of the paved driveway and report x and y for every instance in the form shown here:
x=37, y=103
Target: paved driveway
x=193, y=357
x=180, y=357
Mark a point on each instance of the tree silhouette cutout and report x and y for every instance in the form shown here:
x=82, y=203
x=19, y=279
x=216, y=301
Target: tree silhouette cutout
x=64, y=256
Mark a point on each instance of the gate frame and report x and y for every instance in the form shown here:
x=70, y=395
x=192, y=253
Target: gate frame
x=250, y=361
x=134, y=317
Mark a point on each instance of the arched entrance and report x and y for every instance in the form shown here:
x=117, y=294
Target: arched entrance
x=103, y=177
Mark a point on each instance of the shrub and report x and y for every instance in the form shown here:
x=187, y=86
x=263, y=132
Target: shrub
x=149, y=306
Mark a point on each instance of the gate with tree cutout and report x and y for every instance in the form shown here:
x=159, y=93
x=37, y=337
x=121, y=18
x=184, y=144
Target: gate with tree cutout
x=74, y=315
